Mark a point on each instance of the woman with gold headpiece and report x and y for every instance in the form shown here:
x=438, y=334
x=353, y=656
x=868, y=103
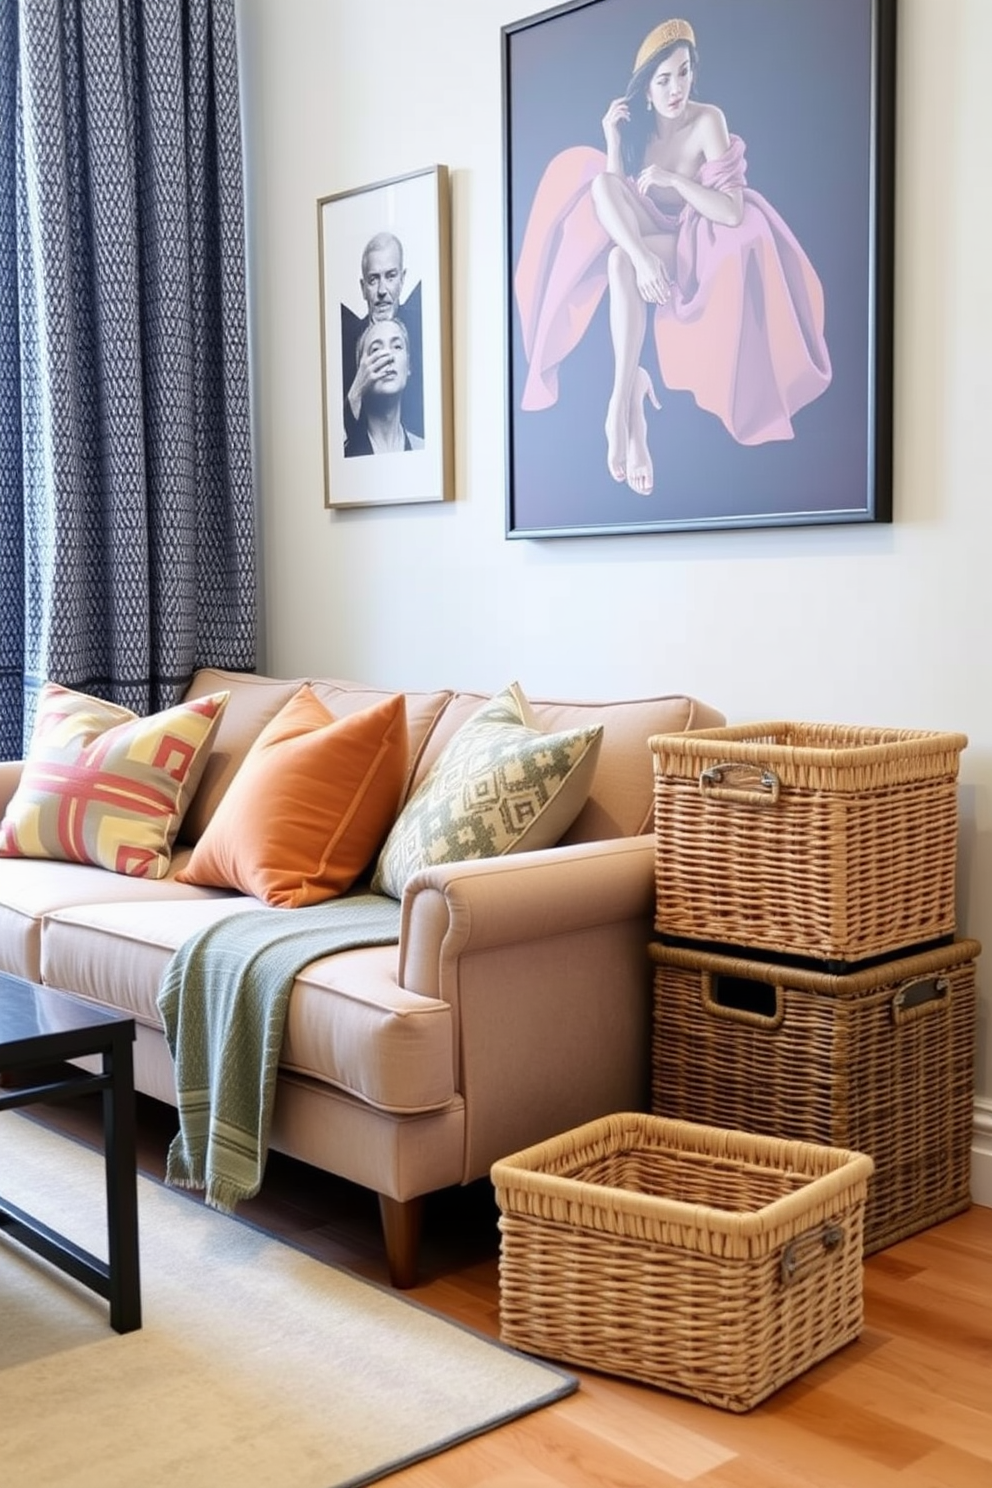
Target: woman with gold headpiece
x=664, y=218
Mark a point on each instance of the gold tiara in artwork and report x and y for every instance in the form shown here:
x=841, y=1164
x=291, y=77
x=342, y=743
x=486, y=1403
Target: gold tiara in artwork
x=661, y=37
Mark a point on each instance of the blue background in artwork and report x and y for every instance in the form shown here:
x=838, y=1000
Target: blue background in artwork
x=794, y=79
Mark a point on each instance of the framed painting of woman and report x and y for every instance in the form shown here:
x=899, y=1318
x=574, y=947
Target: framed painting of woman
x=698, y=247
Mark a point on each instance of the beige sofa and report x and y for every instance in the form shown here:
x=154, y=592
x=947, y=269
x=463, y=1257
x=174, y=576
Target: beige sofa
x=515, y=1006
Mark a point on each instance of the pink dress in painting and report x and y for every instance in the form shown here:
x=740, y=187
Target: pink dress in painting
x=743, y=331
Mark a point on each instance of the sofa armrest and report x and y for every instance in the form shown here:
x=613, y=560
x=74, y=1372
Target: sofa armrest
x=10, y=776
x=543, y=959
x=458, y=909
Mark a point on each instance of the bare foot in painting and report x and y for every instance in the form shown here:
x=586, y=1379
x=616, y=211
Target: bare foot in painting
x=640, y=470
x=652, y=281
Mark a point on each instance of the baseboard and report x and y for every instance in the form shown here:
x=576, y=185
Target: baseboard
x=981, y=1154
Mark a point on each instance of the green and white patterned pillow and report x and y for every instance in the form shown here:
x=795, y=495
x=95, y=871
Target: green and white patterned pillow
x=500, y=785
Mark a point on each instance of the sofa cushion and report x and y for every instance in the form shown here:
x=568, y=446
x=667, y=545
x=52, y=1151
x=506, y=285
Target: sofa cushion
x=501, y=785
x=310, y=805
x=103, y=786
x=423, y=709
x=254, y=700
x=349, y=1023
x=32, y=888
x=621, y=800
x=251, y=702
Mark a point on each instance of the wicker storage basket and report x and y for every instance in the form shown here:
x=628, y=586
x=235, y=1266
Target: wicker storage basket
x=713, y=1263
x=880, y=1060
x=806, y=840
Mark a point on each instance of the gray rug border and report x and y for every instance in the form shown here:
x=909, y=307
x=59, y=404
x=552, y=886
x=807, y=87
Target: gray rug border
x=567, y=1385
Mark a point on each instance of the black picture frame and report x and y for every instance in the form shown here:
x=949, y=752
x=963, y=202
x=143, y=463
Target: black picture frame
x=808, y=88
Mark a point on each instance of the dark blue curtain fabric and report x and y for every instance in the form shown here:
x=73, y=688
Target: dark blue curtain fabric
x=127, y=541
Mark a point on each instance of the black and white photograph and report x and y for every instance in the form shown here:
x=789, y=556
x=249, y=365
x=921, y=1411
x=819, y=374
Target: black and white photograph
x=385, y=324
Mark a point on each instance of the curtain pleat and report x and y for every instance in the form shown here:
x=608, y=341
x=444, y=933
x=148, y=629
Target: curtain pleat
x=12, y=598
x=132, y=523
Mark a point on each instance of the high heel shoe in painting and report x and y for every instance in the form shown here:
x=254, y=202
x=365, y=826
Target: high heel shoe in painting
x=616, y=440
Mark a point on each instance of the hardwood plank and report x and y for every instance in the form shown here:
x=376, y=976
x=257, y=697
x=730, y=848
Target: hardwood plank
x=921, y=1409
x=632, y=1423
x=949, y=1468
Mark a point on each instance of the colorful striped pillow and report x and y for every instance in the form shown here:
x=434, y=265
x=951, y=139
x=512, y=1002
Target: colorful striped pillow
x=103, y=786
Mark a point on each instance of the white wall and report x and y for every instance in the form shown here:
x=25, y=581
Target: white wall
x=877, y=625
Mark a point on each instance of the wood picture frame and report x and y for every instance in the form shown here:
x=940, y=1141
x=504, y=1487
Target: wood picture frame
x=771, y=360
x=385, y=311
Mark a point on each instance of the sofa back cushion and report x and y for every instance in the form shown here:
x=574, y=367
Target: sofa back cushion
x=619, y=805
x=423, y=709
x=255, y=700
x=621, y=801
x=252, y=702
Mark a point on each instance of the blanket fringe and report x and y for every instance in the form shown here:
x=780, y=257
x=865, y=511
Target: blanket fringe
x=224, y=1195
x=180, y=1172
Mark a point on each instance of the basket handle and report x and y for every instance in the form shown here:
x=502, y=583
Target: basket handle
x=754, y=785
x=736, y=999
x=801, y=1254
x=920, y=997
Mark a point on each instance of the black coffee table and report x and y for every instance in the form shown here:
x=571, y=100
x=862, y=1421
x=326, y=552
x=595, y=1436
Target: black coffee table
x=42, y=1027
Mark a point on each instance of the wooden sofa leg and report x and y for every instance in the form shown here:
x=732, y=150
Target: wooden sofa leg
x=401, y=1221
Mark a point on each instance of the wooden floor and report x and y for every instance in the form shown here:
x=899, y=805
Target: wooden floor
x=909, y=1405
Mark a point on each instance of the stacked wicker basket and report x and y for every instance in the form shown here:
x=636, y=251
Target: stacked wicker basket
x=808, y=982
x=812, y=1071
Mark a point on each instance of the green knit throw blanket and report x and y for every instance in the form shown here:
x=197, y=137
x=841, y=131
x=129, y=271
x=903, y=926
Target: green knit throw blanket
x=223, y=1002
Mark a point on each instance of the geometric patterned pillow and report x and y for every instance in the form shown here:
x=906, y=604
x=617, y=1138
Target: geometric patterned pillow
x=102, y=785
x=500, y=785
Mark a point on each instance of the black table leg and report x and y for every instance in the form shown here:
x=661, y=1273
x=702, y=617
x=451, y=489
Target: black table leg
x=41, y=1027
x=122, y=1191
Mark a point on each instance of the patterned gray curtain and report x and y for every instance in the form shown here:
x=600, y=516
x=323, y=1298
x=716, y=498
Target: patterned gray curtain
x=126, y=504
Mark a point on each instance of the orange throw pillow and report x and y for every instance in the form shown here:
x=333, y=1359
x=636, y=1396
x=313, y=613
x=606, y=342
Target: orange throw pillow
x=309, y=805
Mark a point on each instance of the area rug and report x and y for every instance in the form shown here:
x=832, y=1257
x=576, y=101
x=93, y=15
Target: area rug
x=256, y=1365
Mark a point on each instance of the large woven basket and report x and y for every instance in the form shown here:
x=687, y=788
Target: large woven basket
x=880, y=1060
x=807, y=840
x=708, y=1262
